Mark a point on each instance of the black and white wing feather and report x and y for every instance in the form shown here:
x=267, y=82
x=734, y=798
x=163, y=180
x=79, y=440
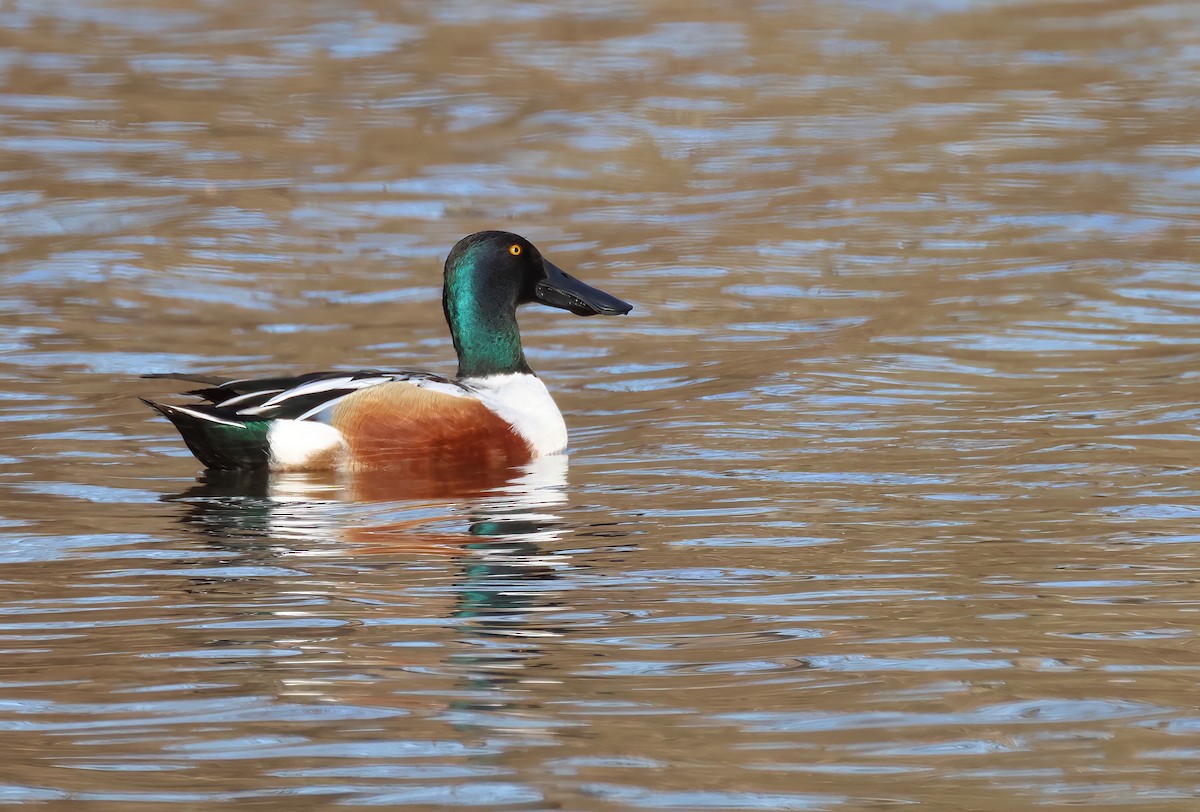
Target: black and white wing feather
x=302, y=397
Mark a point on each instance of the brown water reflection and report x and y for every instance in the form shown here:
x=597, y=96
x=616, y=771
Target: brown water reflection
x=883, y=494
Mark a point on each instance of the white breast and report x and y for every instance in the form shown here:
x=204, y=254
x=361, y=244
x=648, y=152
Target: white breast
x=523, y=401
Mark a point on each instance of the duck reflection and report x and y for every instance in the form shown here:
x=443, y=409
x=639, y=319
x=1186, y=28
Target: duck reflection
x=506, y=571
x=308, y=511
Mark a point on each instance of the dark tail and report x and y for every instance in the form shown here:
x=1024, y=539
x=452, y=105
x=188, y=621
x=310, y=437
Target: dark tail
x=219, y=443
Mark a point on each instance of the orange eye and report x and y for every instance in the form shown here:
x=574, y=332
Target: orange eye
x=515, y=250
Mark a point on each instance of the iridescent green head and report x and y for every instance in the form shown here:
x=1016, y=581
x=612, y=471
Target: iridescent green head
x=488, y=275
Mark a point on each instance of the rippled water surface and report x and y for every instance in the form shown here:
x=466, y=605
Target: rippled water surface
x=885, y=494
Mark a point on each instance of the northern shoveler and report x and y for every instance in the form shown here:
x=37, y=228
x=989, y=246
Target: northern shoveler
x=496, y=411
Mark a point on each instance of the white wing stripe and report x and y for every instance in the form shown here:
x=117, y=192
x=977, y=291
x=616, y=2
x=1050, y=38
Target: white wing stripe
x=322, y=407
x=239, y=398
x=202, y=416
x=325, y=385
x=314, y=387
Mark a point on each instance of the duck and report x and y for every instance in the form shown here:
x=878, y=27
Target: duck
x=495, y=411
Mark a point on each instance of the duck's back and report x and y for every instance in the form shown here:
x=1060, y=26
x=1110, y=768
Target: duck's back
x=369, y=419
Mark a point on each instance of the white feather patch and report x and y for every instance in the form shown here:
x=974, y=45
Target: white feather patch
x=524, y=402
x=296, y=444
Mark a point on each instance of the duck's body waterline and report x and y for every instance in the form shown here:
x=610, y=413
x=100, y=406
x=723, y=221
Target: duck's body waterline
x=496, y=412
